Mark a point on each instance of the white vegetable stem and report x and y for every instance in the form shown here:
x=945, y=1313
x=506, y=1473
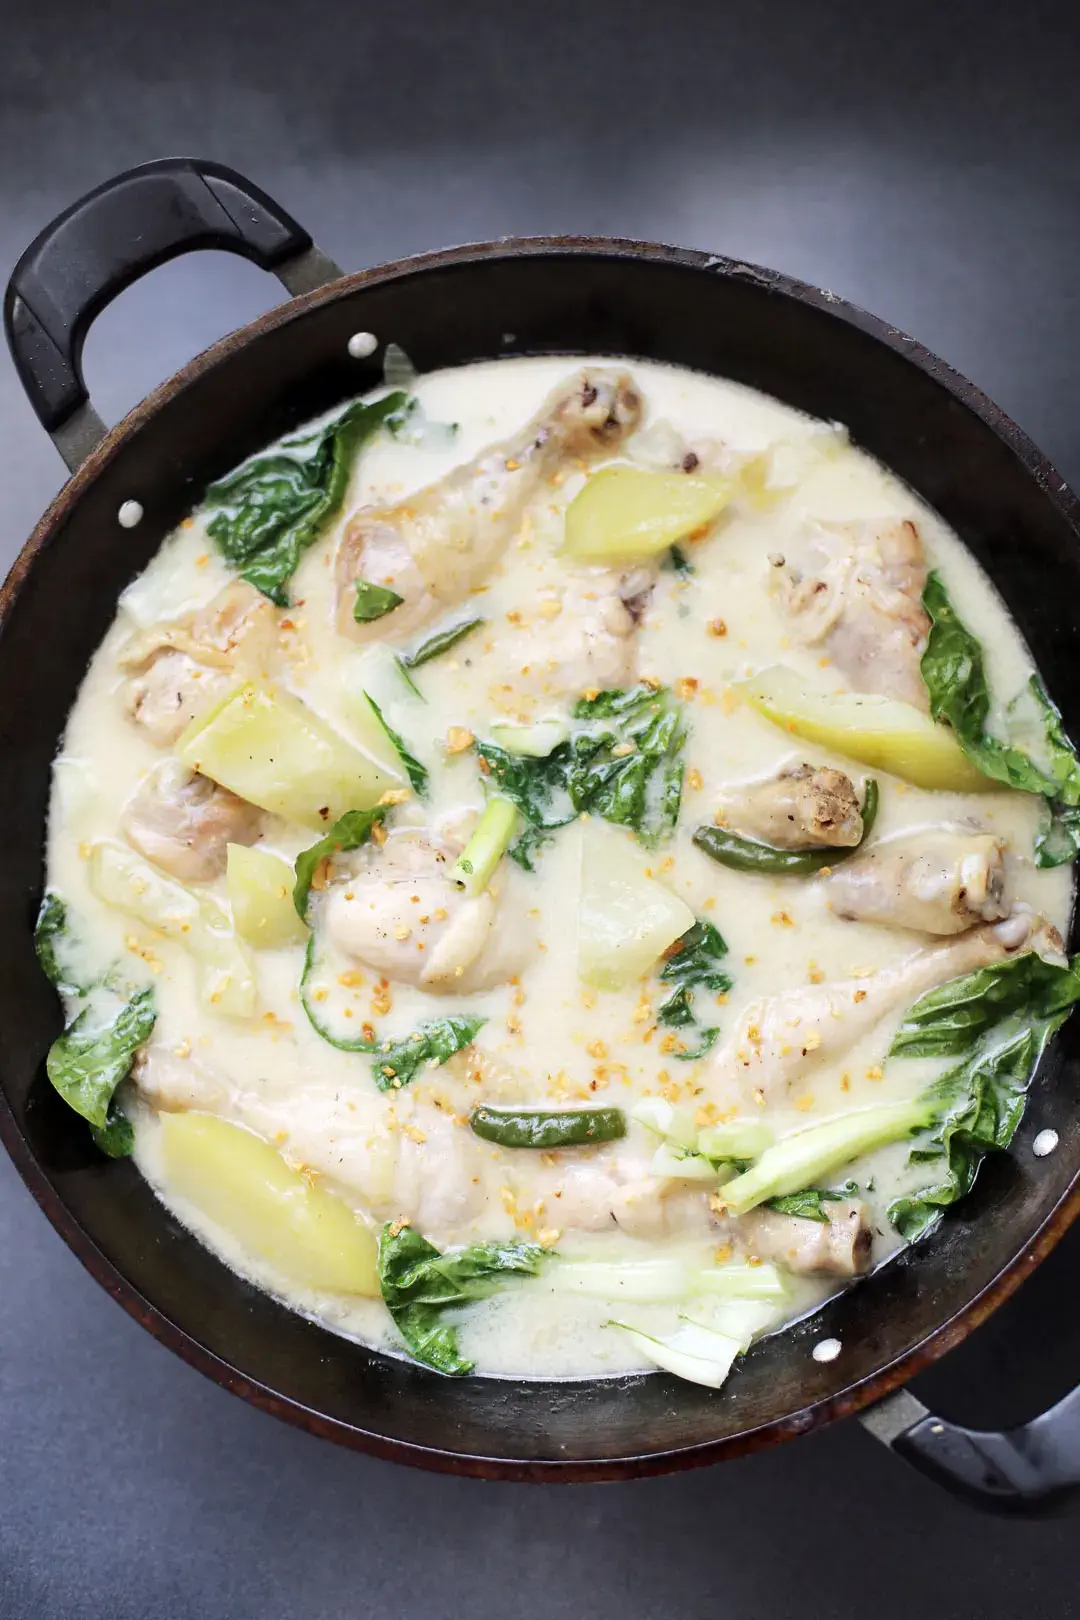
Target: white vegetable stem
x=534, y=742
x=802, y=1159
x=486, y=847
x=652, y=1282
x=692, y=1352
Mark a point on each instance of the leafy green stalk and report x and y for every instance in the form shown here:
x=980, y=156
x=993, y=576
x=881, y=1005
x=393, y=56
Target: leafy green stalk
x=437, y=644
x=473, y=870
x=417, y=773
x=419, y=1285
x=802, y=1159
x=350, y=831
x=89, y=1060
x=998, y=1020
x=753, y=855
x=273, y=507
x=692, y=966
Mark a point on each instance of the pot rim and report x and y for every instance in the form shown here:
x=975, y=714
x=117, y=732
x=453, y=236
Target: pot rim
x=845, y=1402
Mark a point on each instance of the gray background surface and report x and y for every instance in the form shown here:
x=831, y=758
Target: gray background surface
x=920, y=160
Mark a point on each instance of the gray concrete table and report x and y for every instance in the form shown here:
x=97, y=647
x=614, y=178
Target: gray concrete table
x=923, y=164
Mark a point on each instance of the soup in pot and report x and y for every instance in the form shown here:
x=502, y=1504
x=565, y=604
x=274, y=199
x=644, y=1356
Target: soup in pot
x=559, y=867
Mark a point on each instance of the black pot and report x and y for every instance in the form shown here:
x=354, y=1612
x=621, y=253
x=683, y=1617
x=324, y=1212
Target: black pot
x=536, y=296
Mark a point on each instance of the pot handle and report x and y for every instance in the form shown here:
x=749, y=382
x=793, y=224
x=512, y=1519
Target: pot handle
x=112, y=236
x=1031, y=1469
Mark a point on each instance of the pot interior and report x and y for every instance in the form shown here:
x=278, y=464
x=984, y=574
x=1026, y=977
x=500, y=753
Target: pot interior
x=658, y=304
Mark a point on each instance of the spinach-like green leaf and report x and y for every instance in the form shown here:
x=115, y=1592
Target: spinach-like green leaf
x=417, y=773
x=692, y=965
x=88, y=1061
x=955, y=677
x=52, y=942
x=350, y=831
x=527, y=846
x=999, y=1020
x=676, y=561
x=432, y=1043
x=321, y=1026
x=115, y=1138
x=978, y=1106
x=439, y=643
x=271, y=509
x=538, y=787
x=1058, y=842
x=396, y=1062
x=947, y=1021
x=419, y=1285
x=623, y=762
x=374, y=601
x=809, y=1204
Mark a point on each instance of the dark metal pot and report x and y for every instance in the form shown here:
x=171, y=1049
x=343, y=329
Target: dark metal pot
x=536, y=296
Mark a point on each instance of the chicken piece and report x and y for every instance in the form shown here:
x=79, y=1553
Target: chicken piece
x=596, y=1190
x=801, y=808
x=176, y=671
x=862, y=598
x=837, y=1247
x=435, y=546
x=183, y=822
x=780, y=1038
x=406, y=1157
x=582, y=640
x=398, y=912
x=937, y=882
x=175, y=1083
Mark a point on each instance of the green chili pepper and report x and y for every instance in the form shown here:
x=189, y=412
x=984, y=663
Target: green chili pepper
x=548, y=1127
x=750, y=855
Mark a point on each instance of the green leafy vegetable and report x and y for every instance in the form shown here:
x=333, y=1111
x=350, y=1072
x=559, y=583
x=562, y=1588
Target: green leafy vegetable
x=752, y=855
x=320, y=1024
x=52, y=943
x=949, y=1020
x=89, y=1060
x=417, y=773
x=692, y=966
x=955, y=676
x=352, y=830
x=396, y=1061
x=999, y=1020
x=115, y=1138
x=437, y=644
x=271, y=509
x=677, y=562
x=527, y=846
x=809, y=1205
x=548, y=1127
x=622, y=762
x=374, y=601
x=419, y=1285
x=431, y=1043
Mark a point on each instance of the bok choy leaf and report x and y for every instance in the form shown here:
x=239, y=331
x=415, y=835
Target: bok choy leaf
x=419, y=1285
x=277, y=504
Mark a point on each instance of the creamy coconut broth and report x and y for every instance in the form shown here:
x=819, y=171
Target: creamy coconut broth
x=780, y=561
